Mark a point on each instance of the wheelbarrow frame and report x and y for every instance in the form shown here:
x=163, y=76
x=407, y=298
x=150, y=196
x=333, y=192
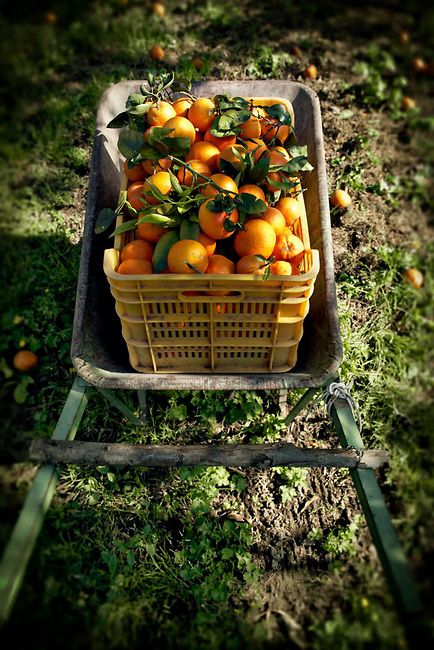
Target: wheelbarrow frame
x=101, y=361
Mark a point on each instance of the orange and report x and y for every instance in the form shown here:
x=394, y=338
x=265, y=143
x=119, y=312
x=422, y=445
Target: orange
x=159, y=113
x=158, y=9
x=135, y=195
x=186, y=177
x=138, y=249
x=290, y=208
x=283, y=151
x=160, y=180
x=311, y=72
x=272, y=128
x=251, y=128
x=257, y=146
x=229, y=156
x=251, y=264
x=150, y=232
x=289, y=248
x=201, y=113
x=252, y=189
x=25, y=360
x=340, y=199
x=414, y=277
x=51, y=18
x=275, y=218
x=220, y=265
x=212, y=223
x=183, y=128
x=221, y=308
x=209, y=243
x=257, y=238
x=150, y=166
x=205, y=152
x=408, y=103
x=281, y=268
x=199, y=137
x=223, y=181
x=135, y=267
x=220, y=143
x=187, y=256
x=182, y=105
x=136, y=173
x=277, y=158
x=156, y=52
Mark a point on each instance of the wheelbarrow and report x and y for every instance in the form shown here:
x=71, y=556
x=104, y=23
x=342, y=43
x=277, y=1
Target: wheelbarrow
x=101, y=361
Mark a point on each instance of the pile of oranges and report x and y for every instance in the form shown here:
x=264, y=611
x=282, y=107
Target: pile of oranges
x=262, y=243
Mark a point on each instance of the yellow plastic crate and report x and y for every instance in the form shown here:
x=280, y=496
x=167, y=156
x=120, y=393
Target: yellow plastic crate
x=256, y=328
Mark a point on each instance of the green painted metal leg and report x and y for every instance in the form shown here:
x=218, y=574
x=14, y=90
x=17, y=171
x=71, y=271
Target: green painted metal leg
x=383, y=533
x=121, y=406
x=22, y=541
x=307, y=397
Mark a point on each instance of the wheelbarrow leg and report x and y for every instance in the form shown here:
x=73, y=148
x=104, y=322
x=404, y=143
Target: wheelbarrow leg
x=22, y=541
x=307, y=397
x=385, y=538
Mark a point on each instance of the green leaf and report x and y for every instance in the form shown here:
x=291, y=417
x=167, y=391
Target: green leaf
x=158, y=219
x=298, y=164
x=282, y=185
x=131, y=558
x=220, y=203
x=250, y=204
x=279, y=112
x=226, y=123
x=175, y=182
x=163, y=208
x=149, y=153
x=121, y=201
x=135, y=100
x=156, y=135
x=158, y=193
x=178, y=146
x=124, y=227
x=295, y=150
x=140, y=109
x=110, y=560
x=7, y=372
x=131, y=210
x=259, y=170
x=119, y=121
x=130, y=142
x=225, y=102
x=189, y=230
x=229, y=225
x=104, y=220
x=21, y=393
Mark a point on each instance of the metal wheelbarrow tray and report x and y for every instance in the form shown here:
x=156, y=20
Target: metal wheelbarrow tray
x=99, y=353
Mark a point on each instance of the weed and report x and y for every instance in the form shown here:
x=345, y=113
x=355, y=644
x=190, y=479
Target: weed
x=266, y=63
x=222, y=14
x=293, y=479
x=380, y=85
x=365, y=623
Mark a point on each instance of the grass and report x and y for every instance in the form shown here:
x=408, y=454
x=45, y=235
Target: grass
x=168, y=556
